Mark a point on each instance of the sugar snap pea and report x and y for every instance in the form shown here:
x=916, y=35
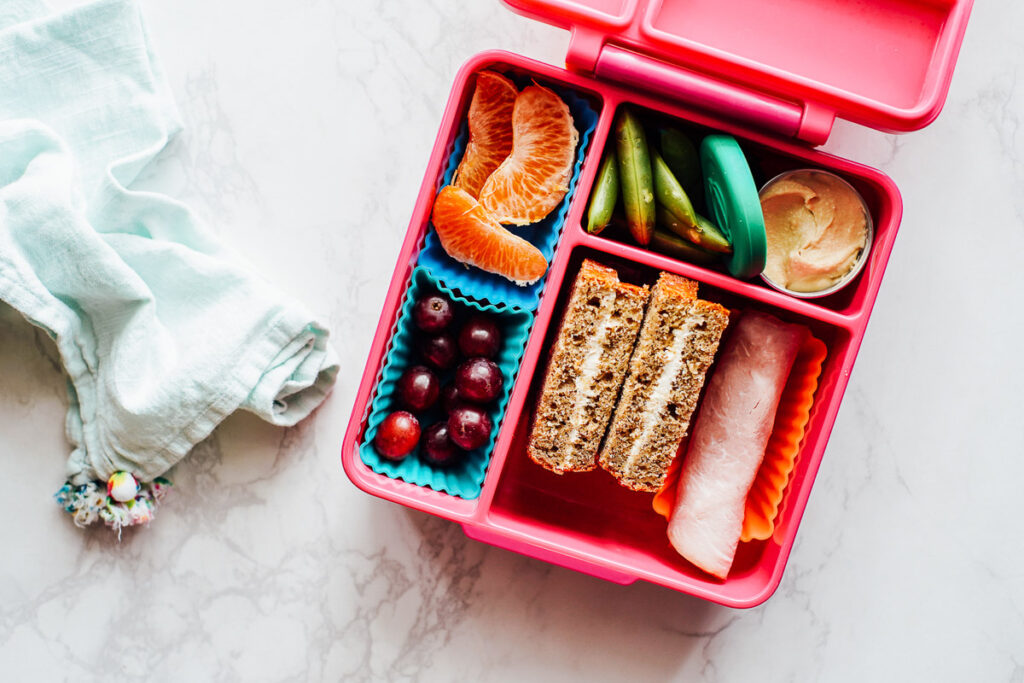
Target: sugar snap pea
x=704, y=233
x=635, y=175
x=682, y=158
x=673, y=245
x=605, y=194
x=670, y=193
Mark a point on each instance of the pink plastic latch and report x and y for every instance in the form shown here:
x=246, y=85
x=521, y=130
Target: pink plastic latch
x=584, y=49
x=791, y=119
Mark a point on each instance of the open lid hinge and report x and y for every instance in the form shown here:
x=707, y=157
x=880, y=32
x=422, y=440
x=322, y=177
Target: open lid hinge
x=803, y=121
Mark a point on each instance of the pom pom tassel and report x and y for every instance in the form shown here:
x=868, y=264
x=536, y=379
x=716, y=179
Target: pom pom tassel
x=122, y=502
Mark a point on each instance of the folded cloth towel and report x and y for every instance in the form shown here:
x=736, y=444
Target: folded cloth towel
x=163, y=331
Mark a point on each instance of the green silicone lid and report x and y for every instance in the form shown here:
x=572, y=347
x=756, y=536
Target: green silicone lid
x=733, y=202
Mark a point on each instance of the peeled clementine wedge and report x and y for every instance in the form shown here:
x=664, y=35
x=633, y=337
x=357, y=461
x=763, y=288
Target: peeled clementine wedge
x=534, y=178
x=490, y=131
x=471, y=235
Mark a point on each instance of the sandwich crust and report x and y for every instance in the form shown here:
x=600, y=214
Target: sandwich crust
x=586, y=368
x=676, y=347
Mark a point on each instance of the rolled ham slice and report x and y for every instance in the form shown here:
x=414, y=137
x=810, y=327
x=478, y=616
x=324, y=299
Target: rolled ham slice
x=729, y=440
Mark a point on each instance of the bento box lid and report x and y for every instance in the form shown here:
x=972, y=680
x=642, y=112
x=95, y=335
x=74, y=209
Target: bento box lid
x=788, y=65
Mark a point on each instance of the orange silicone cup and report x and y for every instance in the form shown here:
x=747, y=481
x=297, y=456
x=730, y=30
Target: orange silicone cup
x=780, y=454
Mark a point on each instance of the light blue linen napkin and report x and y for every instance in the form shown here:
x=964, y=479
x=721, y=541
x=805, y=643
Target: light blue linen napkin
x=162, y=330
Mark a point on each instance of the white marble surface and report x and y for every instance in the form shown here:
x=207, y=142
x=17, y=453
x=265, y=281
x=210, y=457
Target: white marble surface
x=308, y=127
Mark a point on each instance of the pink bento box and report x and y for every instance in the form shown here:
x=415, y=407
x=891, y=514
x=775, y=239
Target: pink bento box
x=773, y=74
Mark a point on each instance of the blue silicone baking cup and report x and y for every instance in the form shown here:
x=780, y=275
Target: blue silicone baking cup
x=477, y=284
x=466, y=478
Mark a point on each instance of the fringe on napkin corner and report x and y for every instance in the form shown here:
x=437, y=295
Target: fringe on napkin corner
x=90, y=503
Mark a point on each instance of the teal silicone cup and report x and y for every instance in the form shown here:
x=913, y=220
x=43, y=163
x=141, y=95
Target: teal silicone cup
x=483, y=286
x=466, y=478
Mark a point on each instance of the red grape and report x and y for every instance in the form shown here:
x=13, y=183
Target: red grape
x=439, y=351
x=438, y=449
x=480, y=336
x=469, y=427
x=418, y=388
x=450, y=398
x=479, y=380
x=397, y=435
x=433, y=313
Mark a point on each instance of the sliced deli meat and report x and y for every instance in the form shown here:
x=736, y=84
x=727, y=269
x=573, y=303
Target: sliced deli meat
x=728, y=442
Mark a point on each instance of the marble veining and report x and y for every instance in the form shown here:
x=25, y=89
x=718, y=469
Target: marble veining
x=314, y=120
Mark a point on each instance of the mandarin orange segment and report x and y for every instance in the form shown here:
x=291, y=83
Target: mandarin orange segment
x=534, y=178
x=490, y=131
x=472, y=236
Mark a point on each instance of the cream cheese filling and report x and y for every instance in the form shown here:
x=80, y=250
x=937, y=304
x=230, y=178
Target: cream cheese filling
x=672, y=363
x=591, y=364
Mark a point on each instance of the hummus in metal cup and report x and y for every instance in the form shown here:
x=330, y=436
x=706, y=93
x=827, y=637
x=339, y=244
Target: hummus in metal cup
x=817, y=229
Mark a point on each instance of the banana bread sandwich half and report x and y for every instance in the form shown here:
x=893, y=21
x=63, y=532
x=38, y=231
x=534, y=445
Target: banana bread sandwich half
x=585, y=372
x=677, y=345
